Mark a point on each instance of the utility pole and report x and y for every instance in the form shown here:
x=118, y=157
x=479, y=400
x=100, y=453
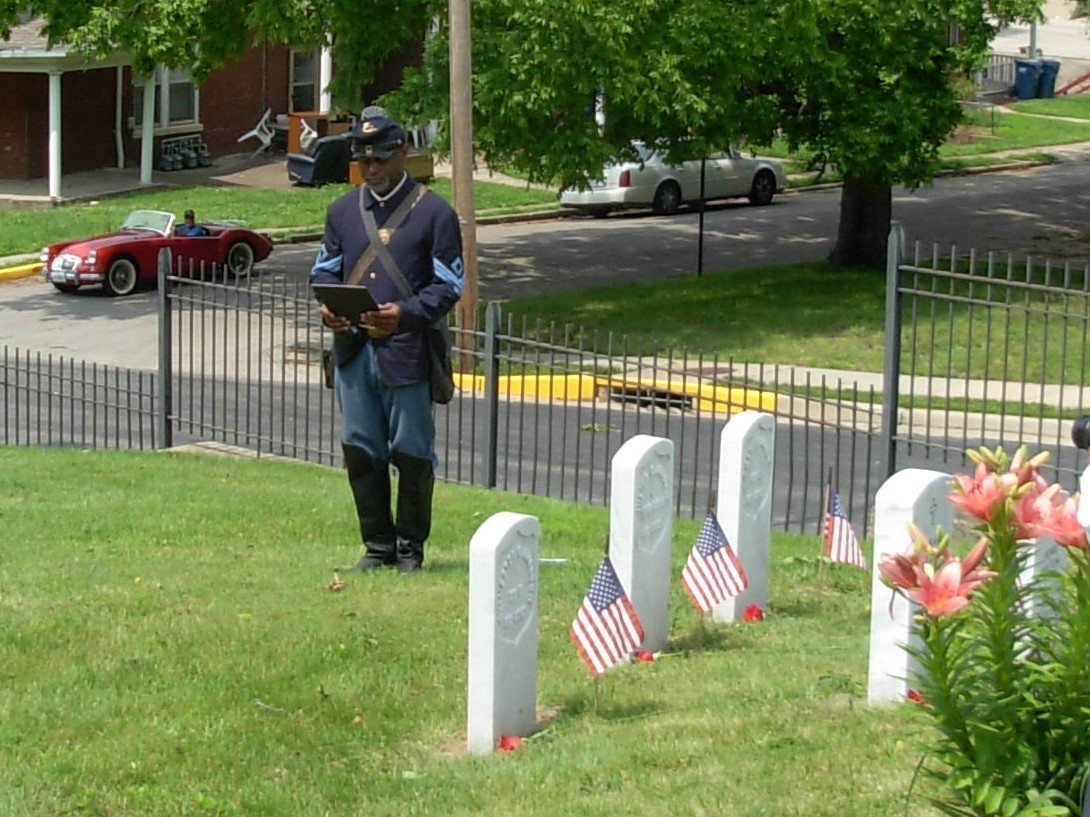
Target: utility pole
x=461, y=154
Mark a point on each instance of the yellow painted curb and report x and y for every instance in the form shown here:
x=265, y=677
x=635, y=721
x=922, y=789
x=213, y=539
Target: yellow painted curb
x=21, y=271
x=666, y=393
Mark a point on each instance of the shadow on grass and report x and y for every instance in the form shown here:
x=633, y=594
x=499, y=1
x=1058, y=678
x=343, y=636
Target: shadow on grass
x=707, y=637
x=607, y=709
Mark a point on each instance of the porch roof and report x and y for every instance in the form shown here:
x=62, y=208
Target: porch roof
x=27, y=50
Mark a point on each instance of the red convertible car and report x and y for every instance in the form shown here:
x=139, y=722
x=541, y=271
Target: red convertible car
x=123, y=260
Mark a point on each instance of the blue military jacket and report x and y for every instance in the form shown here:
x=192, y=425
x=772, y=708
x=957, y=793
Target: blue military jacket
x=427, y=246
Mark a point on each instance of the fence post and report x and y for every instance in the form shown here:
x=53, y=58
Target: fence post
x=166, y=379
x=492, y=319
x=891, y=369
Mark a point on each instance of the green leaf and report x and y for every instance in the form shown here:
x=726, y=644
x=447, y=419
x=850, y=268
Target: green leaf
x=994, y=799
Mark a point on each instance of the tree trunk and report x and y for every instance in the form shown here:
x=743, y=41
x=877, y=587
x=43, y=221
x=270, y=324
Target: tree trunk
x=865, y=213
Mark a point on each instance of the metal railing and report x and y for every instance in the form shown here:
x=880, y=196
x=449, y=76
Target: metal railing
x=987, y=349
x=983, y=352
x=997, y=75
x=541, y=408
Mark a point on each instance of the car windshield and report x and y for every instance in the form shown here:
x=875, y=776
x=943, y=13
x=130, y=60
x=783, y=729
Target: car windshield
x=153, y=220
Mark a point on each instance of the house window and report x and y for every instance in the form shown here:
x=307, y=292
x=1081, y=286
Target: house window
x=304, y=80
x=177, y=100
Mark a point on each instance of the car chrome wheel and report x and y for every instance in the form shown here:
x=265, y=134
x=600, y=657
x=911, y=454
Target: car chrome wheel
x=240, y=259
x=764, y=186
x=667, y=199
x=121, y=278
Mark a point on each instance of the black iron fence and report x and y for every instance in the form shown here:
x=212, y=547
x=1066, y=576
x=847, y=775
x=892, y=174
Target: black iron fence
x=983, y=352
x=985, y=349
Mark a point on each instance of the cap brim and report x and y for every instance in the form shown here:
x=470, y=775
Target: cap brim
x=372, y=152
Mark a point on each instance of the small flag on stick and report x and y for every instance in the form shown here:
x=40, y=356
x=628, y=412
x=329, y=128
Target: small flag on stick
x=712, y=573
x=606, y=629
x=840, y=542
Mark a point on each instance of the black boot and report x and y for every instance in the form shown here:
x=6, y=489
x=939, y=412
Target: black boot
x=416, y=482
x=370, y=481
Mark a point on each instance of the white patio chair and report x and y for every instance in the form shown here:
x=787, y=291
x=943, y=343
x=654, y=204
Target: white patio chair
x=307, y=135
x=262, y=131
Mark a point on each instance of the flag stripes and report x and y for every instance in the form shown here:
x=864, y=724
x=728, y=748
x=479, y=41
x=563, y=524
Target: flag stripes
x=841, y=544
x=712, y=573
x=606, y=629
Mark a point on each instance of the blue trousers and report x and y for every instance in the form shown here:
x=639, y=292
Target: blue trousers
x=383, y=420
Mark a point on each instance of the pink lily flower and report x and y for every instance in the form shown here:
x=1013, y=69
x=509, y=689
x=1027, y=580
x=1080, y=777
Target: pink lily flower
x=1063, y=525
x=980, y=494
x=1029, y=512
x=899, y=570
x=940, y=592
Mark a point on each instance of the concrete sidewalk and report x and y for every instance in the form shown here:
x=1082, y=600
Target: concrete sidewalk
x=268, y=171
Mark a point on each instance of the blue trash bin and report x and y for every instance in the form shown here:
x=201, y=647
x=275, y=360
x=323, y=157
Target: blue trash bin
x=1026, y=74
x=1046, y=82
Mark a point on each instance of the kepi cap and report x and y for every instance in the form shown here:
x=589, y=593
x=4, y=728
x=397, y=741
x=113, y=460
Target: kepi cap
x=377, y=137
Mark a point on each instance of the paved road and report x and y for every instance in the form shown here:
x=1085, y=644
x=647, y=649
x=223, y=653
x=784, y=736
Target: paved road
x=1043, y=211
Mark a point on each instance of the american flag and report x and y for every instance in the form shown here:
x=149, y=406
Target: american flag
x=606, y=629
x=712, y=573
x=840, y=542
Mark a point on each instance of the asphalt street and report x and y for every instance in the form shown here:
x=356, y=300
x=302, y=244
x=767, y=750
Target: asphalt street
x=1043, y=211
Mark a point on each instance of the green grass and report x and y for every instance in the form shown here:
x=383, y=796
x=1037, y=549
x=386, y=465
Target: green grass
x=27, y=230
x=169, y=647
x=988, y=132
x=820, y=316
x=805, y=314
x=1076, y=106
x=24, y=230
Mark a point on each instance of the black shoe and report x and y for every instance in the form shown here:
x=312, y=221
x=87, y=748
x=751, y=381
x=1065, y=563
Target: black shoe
x=371, y=561
x=410, y=556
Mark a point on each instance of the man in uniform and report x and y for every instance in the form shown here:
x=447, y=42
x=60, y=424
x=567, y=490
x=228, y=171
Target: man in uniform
x=382, y=364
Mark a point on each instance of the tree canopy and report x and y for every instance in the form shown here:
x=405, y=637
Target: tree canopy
x=866, y=85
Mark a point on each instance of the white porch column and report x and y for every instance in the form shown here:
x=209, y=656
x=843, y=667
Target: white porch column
x=147, y=133
x=325, y=76
x=54, y=135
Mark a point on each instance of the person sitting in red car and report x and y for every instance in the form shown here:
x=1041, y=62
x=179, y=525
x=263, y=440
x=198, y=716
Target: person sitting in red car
x=190, y=227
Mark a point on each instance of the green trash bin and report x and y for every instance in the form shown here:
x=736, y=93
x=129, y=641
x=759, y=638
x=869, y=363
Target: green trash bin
x=1046, y=82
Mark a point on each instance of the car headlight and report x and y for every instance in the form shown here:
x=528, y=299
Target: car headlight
x=43, y=256
x=92, y=257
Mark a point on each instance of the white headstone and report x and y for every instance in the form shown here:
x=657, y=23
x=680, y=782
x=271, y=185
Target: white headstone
x=913, y=495
x=641, y=530
x=747, y=448
x=503, y=563
x=1043, y=557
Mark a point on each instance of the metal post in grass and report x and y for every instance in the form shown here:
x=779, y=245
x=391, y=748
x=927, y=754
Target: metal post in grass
x=491, y=365
x=703, y=207
x=165, y=376
x=891, y=369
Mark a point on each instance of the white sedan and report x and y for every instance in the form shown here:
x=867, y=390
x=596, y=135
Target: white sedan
x=650, y=182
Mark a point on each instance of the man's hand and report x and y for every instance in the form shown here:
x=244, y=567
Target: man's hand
x=338, y=324
x=383, y=321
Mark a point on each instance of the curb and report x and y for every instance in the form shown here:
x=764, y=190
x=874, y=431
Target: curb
x=20, y=271
x=29, y=268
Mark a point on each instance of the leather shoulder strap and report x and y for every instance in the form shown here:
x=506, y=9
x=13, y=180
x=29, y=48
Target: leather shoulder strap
x=372, y=251
x=379, y=246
